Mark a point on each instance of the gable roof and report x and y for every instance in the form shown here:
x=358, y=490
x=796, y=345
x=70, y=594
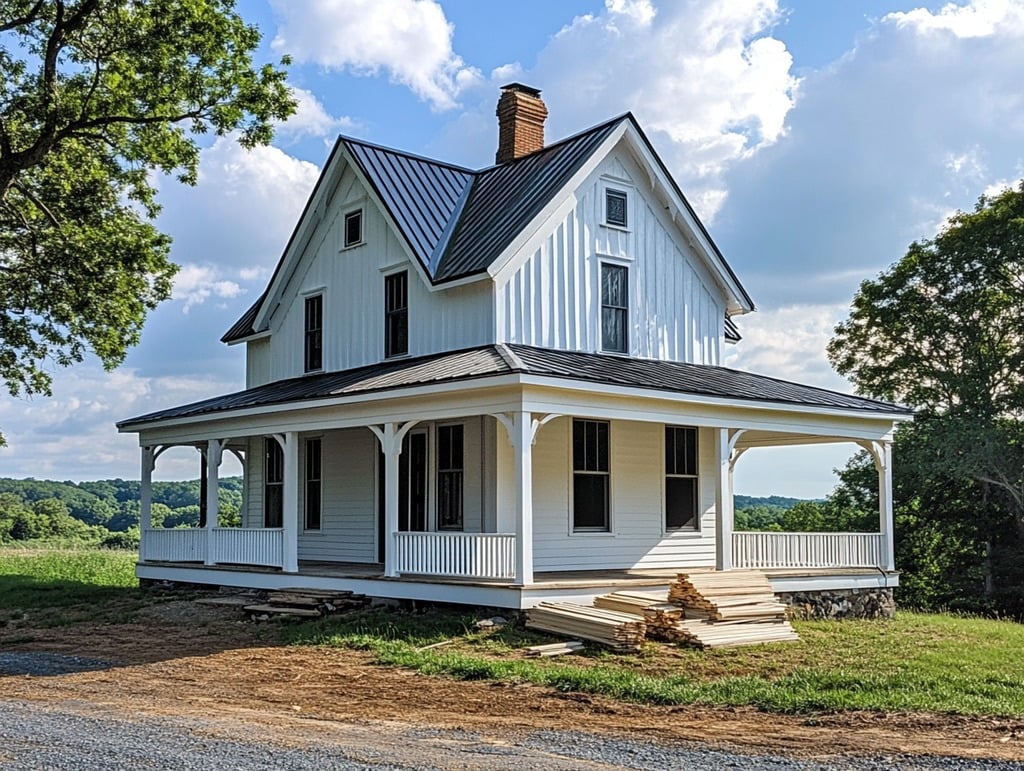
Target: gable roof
x=457, y=222
x=508, y=359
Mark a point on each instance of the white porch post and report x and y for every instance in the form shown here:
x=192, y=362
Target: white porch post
x=212, y=458
x=522, y=434
x=724, y=513
x=290, y=509
x=390, y=436
x=885, y=506
x=146, y=492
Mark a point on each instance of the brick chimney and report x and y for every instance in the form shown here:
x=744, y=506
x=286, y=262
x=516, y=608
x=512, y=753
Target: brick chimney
x=521, y=113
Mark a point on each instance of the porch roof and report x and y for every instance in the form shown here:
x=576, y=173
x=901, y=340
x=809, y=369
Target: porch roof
x=497, y=360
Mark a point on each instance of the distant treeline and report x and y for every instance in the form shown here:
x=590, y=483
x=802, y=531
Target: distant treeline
x=105, y=512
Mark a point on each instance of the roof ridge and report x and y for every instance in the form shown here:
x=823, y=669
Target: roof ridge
x=510, y=357
x=414, y=156
x=573, y=137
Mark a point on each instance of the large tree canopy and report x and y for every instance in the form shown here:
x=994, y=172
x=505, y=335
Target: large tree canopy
x=95, y=96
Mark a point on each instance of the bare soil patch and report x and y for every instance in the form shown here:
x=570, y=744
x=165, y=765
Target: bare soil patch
x=178, y=657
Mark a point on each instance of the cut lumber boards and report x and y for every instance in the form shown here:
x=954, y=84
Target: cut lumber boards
x=307, y=603
x=555, y=649
x=623, y=632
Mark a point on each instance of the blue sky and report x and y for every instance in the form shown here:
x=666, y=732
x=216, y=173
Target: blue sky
x=815, y=139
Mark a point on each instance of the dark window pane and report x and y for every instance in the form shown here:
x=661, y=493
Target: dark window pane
x=396, y=314
x=614, y=308
x=313, y=483
x=314, y=332
x=680, y=502
x=615, y=208
x=579, y=444
x=353, y=228
x=449, y=477
x=273, y=484
x=590, y=502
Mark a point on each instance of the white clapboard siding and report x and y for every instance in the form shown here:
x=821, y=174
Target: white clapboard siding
x=638, y=538
x=352, y=284
x=553, y=299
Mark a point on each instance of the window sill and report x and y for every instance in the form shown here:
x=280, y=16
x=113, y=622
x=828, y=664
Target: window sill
x=681, y=532
x=591, y=534
x=349, y=247
x=618, y=228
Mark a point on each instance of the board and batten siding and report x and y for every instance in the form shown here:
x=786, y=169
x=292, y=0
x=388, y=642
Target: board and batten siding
x=637, y=537
x=351, y=281
x=553, y=300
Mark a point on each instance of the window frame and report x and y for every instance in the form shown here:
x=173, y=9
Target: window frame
x=695, y=476
x=318, y=332
x=574, y=528
x=605, y=264
x=277, y=484
x=614, y=191
x=313, y=486
x=458, y=472
x=397, y=313
x=354, y=215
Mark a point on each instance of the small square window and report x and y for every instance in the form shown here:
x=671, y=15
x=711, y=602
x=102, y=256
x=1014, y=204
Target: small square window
x=354, y=228
x=615, y=208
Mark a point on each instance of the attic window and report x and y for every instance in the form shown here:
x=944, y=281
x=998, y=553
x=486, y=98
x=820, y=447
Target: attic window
x=615, y=208
x=354, y=228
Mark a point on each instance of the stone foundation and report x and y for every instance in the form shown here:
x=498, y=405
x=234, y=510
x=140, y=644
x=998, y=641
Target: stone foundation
x=840, y=603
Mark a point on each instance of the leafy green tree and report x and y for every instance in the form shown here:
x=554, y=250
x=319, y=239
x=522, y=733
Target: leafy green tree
x=95, y=97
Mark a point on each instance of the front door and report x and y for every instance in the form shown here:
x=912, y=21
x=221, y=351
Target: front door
x=412, y=483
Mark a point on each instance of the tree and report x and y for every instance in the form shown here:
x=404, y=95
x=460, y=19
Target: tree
x=95, y=97
x=943, y=331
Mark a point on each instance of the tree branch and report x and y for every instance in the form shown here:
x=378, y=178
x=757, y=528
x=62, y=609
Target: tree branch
x=30, y=16
x=38, y=203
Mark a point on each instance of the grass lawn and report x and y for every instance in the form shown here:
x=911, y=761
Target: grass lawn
x=46, y=582
x=914, y=662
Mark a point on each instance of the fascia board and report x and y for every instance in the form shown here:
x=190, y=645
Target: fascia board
x=516, y=253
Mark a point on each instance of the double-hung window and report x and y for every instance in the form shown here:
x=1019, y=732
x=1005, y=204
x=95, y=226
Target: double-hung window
x=313, y=499
x=396, y=314
x=590, y=476
x=450, y=466
x=314, y=343
x=273, y=483
x=681, y=478
x=614, y=308
x=353, y=228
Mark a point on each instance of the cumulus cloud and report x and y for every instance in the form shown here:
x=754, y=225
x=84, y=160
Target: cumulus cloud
x=312, y=119
x=981, y=18
x=409, y=39
x=195, y=284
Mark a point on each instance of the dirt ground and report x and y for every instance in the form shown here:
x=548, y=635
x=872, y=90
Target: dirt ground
x=177, y=658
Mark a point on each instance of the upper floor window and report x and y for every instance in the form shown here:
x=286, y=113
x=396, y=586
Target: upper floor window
x=314, y=333
x=449, y=477
x=396, y=314
x=680, y=478
x=353, y=228
x=614, y=308
x=273, y=483
x=590, y=475
x=616, y=208
x=313, y=498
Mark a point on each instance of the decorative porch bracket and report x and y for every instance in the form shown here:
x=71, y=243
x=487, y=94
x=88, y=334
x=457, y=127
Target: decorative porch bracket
x=881, y=454
x=390, y=436
x=724, y=503
x=521, y=428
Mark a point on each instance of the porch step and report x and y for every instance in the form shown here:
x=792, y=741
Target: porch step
x=308, y=603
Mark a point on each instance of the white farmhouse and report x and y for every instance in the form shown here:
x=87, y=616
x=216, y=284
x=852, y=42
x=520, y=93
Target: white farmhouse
x=501, y=386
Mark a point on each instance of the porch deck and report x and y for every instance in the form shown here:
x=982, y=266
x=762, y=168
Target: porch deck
x=561, y=586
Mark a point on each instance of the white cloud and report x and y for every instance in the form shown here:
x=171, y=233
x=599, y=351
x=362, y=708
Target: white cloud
x=981, y=18
x=195, y=284
x=312, y=119
x=410, y=39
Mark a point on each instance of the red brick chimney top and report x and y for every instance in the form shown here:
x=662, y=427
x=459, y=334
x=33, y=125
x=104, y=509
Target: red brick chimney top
x=521, y=113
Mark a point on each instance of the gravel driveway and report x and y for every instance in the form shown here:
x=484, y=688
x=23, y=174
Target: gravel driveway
x=79, y=736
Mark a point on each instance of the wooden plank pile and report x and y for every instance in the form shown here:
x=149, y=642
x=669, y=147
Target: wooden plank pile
x=555, y=649
x=307, y=603
x=622, y=632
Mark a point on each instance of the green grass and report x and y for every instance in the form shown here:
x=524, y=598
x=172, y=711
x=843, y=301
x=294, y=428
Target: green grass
x=38, y=580
x=914, y=662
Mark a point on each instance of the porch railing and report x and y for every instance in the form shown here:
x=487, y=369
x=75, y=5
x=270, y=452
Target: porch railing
x=182, y=544
x=807, y=550
x=229, y=545
x=249, y=546
x=457, y=555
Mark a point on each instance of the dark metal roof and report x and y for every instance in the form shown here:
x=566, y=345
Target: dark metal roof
x=245, y=326
x=494, y=360
x=422, y=196
x=505, y=198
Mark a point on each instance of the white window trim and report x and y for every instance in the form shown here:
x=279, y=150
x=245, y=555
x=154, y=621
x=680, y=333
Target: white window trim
x=306, y=294
x=362, y=227
x=680, y=532
x=626, y=189
x=572, y=531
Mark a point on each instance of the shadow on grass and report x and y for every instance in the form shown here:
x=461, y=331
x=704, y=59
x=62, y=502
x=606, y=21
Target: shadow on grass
x=28, y=593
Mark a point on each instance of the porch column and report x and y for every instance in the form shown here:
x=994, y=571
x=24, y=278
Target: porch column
x=521, y=434
x=146, y=491
x=724, y=513
x=212, y=457
x=290, y=508
x=885, y=508
x=390, y=436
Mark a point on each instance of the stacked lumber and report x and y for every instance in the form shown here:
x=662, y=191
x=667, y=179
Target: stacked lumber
x=555, y=649
x=628, y=602
x=307, y=603
x=722, y=609
x=623, y=632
